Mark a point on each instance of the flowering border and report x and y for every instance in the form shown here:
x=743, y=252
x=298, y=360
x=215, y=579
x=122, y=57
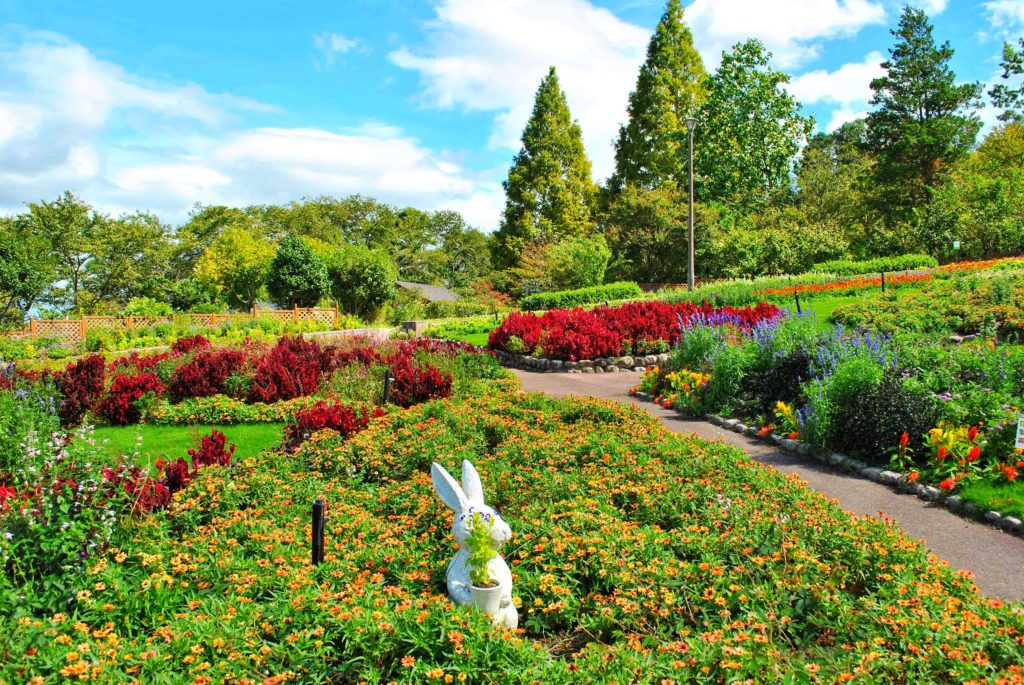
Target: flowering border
x=897, y=481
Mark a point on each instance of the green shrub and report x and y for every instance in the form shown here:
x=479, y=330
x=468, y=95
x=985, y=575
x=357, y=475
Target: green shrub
x=146, y=306
x=846, y=267
x=564, y=299
x=450, y=310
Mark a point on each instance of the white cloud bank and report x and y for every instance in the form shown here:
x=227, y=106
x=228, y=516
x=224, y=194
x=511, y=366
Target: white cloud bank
x=848, y=88
x=69, y=120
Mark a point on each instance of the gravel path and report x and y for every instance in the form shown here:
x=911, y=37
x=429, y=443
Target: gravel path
x=995, y=558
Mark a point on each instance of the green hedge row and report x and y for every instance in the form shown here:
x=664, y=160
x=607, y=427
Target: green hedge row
x=575, y=298
x=846, y=267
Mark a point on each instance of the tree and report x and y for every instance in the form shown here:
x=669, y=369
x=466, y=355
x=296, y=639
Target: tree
x=129, y=259
x=578, y=262
x=26, y=269
x=467, y=252
x=670, y=87
x=648, y=235
x=362, y=279
x=1011, y=100
x=68, y=226
x=750, y=130
x=549, y=192
x=297, y=276
x=204, y=225
x=235, y=265
x=923, y=122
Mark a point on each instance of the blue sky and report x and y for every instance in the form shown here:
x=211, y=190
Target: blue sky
x=158, y=105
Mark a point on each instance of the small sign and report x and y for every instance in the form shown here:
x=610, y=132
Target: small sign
x=956, y=244
x=1020, y=433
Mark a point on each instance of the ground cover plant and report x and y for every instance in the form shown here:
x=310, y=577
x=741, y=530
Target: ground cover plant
x=633, y=328
x=639, y=556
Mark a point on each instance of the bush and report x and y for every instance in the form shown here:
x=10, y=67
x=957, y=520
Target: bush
x=342, y=419
x=120, y=406
x=783, y=380
x=414, y=383
x=80, y=386
x=205, y=375
x=146, y=306
x=563, y=299
x=578, y=262
x=846, y=267
x=295, y=367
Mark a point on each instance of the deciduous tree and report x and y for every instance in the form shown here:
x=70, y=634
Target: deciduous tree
x=297, y=275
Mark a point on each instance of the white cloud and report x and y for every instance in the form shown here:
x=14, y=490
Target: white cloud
x=849, y=84
x=331, y=45
x=69, y=120
x=490, y=56
x=1006, y=15
x=791, y=29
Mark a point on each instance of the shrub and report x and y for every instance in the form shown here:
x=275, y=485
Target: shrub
x=205, y=375
x=295, y=367
x=869, y=422
x=563, y=299
x=414, y=383
x=578, y=262
x=146, y=306
x=80, y=385
x=337, y=417
x=120, y=406
x=189, y=344
x=783, y=380
x=846, y=267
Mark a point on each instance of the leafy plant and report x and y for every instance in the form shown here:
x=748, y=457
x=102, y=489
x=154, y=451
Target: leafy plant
x=481, y=550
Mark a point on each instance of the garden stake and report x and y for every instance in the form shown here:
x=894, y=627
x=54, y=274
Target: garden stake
x=387, y=385
x=318, y=531
x=883, y=282
x=796, y=296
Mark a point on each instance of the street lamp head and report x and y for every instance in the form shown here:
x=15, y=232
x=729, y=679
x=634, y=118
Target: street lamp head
x=690, y=124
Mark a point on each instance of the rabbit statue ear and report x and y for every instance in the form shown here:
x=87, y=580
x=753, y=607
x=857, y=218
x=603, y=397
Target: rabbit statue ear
x=471, y=484
x=450, y=492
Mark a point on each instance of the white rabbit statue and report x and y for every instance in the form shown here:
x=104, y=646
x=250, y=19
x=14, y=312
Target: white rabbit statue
x=467, y=500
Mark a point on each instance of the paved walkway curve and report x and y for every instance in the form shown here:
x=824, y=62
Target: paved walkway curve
x=995, y=558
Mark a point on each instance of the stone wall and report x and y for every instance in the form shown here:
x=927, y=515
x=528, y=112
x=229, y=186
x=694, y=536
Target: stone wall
x=603, y=365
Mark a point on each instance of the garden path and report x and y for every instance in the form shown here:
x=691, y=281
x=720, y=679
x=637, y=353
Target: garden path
x=995, y=558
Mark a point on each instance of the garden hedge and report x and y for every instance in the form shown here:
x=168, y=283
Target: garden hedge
x=847, y=267
x=563, y=299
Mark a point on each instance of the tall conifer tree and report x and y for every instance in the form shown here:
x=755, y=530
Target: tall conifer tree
x=549, y=192
x=669, y=89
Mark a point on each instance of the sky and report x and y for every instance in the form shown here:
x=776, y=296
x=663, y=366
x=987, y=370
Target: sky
x=159, y=105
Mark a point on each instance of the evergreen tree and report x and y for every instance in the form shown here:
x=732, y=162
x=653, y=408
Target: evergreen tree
x=750, y=130
x=297, y=276
x=1010, y=100
x=669, y=89
x=923, y=122
x=549, y=192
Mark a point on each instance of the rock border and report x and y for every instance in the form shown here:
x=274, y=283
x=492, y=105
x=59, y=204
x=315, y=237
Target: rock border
x=897, y=481
x=602, y=365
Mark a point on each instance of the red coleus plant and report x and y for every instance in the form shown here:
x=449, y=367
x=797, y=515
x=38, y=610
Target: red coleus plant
x=212, y=451
x=205, y=375
x=119, y=406
x=414, y=383
x=190, y=344
x=80, y=385
x=295, y=367
x=344, y=419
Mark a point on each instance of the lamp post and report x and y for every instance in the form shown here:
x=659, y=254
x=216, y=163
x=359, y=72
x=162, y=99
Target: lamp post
x=690, y=124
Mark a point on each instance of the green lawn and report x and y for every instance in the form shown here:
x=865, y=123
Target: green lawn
x=171, y=442
x=823, y=307
x=1006, y=498
x=479, y=339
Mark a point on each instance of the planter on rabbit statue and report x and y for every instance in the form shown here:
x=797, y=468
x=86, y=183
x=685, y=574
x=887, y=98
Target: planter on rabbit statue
x=465, y=500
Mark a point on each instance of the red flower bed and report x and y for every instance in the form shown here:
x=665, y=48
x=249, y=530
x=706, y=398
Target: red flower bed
x=118, y=407
x=415, y=383
x=80, y=385
x=295, y=367
x=322, y=416
x=848, y=285
x=205, y=375
x=575, y=334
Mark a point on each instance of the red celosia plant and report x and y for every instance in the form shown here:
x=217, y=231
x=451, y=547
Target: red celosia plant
x=190, y=344
x=119, y=406
x=322, y=416
x=80, y=385
x=415, y=383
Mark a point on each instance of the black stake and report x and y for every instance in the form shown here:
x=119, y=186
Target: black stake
x=796, y=296
x=318, y=531
x=387, y=385
x=883, y=282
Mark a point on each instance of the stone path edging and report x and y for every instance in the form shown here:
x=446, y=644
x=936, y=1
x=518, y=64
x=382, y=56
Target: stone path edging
x=876, y=474
x=636, y=363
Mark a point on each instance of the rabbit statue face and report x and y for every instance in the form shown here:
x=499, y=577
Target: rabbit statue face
x=466, y=500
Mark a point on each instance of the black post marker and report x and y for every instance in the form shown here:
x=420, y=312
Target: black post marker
x=883, y=282
x=318, y=531
x=796, y=296
x=387, y=385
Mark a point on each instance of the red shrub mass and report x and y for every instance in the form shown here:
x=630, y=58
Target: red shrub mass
x=205, y=375
x=189, y=345
x=80, y=385
x=295, y=367
x=415, y=383
x=118, y=407
x=322, y=416
x=576, y=334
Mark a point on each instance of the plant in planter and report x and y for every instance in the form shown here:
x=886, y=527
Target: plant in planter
x=485, y=589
